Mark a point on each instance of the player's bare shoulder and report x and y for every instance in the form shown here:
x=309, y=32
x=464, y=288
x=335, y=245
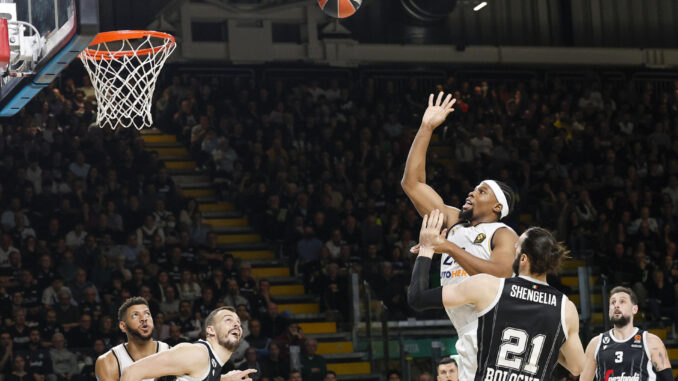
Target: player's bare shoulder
x=106, y=367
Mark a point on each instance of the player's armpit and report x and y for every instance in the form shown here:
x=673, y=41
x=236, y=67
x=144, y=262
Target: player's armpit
x=658, y=354
x=480, y=290
x=106, y=368
x=590, y=365
x=572, y=350
x=184, y=359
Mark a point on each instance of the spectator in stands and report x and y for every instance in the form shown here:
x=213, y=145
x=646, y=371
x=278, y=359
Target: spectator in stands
x=64, y=362
x=447, y=370
x=313, y=366
x=37, y=358
x=275, y=369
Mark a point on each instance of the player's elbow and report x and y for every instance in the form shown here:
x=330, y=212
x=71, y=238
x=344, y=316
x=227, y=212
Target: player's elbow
x=575, y=369
x=414, y=299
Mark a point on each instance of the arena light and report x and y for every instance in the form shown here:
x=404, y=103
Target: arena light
x=480, y=6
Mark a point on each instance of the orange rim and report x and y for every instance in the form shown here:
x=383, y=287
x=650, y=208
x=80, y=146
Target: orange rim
x=120, y=35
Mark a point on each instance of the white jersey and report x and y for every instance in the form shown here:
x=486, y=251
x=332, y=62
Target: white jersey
x=124, y=358
x=476, y=240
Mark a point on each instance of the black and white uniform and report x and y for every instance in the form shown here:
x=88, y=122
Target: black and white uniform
x=125, y=359
x=519, y=335
x=213, y=372
x=476, y=240
x=627, y=359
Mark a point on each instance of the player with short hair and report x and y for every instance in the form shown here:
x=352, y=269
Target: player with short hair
x=477, y=241
x=522, y=325
x=626, y=352
x=199, y=361
x=447, y=370
x=135, y=320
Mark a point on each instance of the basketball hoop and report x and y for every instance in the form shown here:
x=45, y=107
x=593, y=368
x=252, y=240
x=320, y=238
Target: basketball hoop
x=124, y=66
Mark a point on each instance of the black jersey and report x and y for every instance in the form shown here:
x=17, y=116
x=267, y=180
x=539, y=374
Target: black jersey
x=520, y=336
x=214, y=371
x=624, y=360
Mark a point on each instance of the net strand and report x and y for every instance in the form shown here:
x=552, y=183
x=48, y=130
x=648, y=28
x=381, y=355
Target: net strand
x=124, y=83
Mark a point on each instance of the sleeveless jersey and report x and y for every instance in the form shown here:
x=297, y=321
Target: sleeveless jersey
x=476, y=240
x=520, y=335
x=624, y=360
x=125, y=359
x=213, y=372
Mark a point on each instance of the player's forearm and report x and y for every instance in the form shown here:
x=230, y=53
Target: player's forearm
x=474, y=265
x=419, y=294
x=415, y=166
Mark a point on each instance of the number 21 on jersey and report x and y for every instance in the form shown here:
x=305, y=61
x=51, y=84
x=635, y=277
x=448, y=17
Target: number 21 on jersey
x=514, y=343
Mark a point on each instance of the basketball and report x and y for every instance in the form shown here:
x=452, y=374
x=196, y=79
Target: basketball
x=339, y=8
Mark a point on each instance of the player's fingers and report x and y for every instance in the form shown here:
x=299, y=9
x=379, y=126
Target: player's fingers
x=247, y=372
x=430, y=99
x=439, y=224
x=414, y=249
x=447, y=100
x=444, y=233
x=439, y=217
x=424, y=222
x=440, y=98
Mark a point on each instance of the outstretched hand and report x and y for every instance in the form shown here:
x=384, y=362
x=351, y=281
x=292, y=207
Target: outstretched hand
x=436, y=113
x=430, y=236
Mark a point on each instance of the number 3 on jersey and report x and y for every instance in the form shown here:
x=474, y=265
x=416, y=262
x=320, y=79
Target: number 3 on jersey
x=619, y=357
x=514, y=343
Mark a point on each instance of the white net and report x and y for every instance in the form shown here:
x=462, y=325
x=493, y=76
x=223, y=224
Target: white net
x=123, y=73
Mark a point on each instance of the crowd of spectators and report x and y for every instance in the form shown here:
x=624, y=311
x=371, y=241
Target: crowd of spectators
x=89, y=217
x=317, y=169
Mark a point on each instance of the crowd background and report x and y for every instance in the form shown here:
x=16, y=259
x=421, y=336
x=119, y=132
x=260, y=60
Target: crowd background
x=90, y=218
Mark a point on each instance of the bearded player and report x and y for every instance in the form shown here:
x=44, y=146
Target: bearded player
x=135, y=320
x=477, y=242
x=199, y=361
x=626, y=352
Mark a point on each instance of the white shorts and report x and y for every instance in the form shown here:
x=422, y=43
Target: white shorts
x=467, y=348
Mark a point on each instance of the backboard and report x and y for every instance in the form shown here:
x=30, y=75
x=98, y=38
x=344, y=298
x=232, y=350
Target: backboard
x=60, y=30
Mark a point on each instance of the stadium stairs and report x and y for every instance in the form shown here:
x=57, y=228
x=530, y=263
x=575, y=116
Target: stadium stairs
x=237, y=237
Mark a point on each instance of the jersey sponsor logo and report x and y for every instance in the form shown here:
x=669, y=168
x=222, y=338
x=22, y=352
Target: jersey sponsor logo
x=533, y=295
x=636, y=345
x=636, y=338
x=480, y=238
x=492, y=374
x=606, y=340
x=453, y=274
x=609, y=376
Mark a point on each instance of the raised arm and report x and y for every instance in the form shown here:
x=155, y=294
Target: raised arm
x=106, y=368
x=424, y=198
x=572, y=352
x=184, y=359
x=590, y=365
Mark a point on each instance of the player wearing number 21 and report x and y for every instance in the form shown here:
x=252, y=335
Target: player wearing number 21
x=524, y=325
x=626, y=353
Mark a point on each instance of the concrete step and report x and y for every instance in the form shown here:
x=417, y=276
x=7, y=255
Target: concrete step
x=596, y=299
x=171, y=151
x=362, y=377
x=319, y=327
x=330, y=337
x=345, y=357
x=270, y=272
x=358, y=367
x=572, y=264
x=226, y=222
x=180, y=164
x=158, y=138
x=216, y=207
x=280, y=280
x=573, y=281
x=223, y=215
x=189, y=179
x=295, y=299
x=179, y=171
x=288, y=289
x=230, y=247
x=268, y=263
x=151, y=146
x=232, y=229
x=254, y=254
x=334, y=347
x=300, y=308
x=301, y=318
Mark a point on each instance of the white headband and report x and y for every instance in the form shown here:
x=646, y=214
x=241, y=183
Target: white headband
x=499, y=194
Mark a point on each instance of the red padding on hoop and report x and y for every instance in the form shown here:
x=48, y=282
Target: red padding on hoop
x=4, y=44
